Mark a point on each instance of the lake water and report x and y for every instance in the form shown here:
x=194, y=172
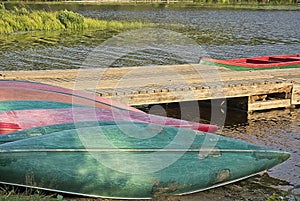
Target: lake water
x=217, y=33
x=220, y=34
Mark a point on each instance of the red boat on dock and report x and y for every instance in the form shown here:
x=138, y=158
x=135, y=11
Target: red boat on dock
x=256, y=63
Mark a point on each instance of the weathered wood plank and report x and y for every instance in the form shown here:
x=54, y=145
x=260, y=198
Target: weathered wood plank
x=296, y=95
x=265, y=105
x=152, y=96
x=191, y=71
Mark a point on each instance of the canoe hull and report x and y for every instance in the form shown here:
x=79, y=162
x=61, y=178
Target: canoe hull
x=67, y=115
x=172, y=161
x=59, y=173
x=7, y=106
x=11, y=90
x=256, y=63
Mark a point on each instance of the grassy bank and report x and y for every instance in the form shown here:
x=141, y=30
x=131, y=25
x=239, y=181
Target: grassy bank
x=22, y=19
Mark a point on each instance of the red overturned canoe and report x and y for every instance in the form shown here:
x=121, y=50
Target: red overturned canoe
x=24, y=119
x=256, y=63
x=24, y=90
x=6, y=128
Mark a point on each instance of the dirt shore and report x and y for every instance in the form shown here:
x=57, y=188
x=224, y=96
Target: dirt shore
x=258, y=188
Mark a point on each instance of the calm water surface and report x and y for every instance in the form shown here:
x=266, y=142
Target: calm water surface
x=219, y=33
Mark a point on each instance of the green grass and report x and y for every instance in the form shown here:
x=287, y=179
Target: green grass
x=29, y=195
x=21, y=19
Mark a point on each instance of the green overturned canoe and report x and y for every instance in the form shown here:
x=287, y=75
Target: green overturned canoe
x=133, y=160
x=33, y=104
x=44, y=130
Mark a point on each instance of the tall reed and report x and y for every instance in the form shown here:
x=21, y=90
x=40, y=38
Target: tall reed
x=22, y=19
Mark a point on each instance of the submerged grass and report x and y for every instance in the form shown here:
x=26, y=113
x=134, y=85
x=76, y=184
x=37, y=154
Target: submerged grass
x=22, y=19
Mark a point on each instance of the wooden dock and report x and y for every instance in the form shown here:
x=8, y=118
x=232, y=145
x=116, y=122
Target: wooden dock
x=265, y=89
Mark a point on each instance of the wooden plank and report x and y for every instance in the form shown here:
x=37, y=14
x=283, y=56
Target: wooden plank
x=265, y=105
x=135, y=78
x=152, y=95
x=160, y=78
x=296, y=95
x=151, y=71
x=191, y=71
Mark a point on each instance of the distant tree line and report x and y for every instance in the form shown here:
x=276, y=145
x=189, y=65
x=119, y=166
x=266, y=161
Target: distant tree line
x=250, y=1
x=274, y=2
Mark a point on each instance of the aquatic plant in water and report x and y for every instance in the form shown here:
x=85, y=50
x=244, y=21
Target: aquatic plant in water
x=21, y=19
x=70, y=19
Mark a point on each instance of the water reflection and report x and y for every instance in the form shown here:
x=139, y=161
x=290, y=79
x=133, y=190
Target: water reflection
x=45, y=50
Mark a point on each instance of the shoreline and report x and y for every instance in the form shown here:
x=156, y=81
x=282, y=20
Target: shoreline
x=175, y=4
x=259, y=188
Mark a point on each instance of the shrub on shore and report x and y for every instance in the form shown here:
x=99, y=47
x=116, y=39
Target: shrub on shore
x=24, y=20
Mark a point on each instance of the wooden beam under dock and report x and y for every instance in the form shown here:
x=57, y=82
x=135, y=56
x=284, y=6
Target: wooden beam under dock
x=265, y=89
